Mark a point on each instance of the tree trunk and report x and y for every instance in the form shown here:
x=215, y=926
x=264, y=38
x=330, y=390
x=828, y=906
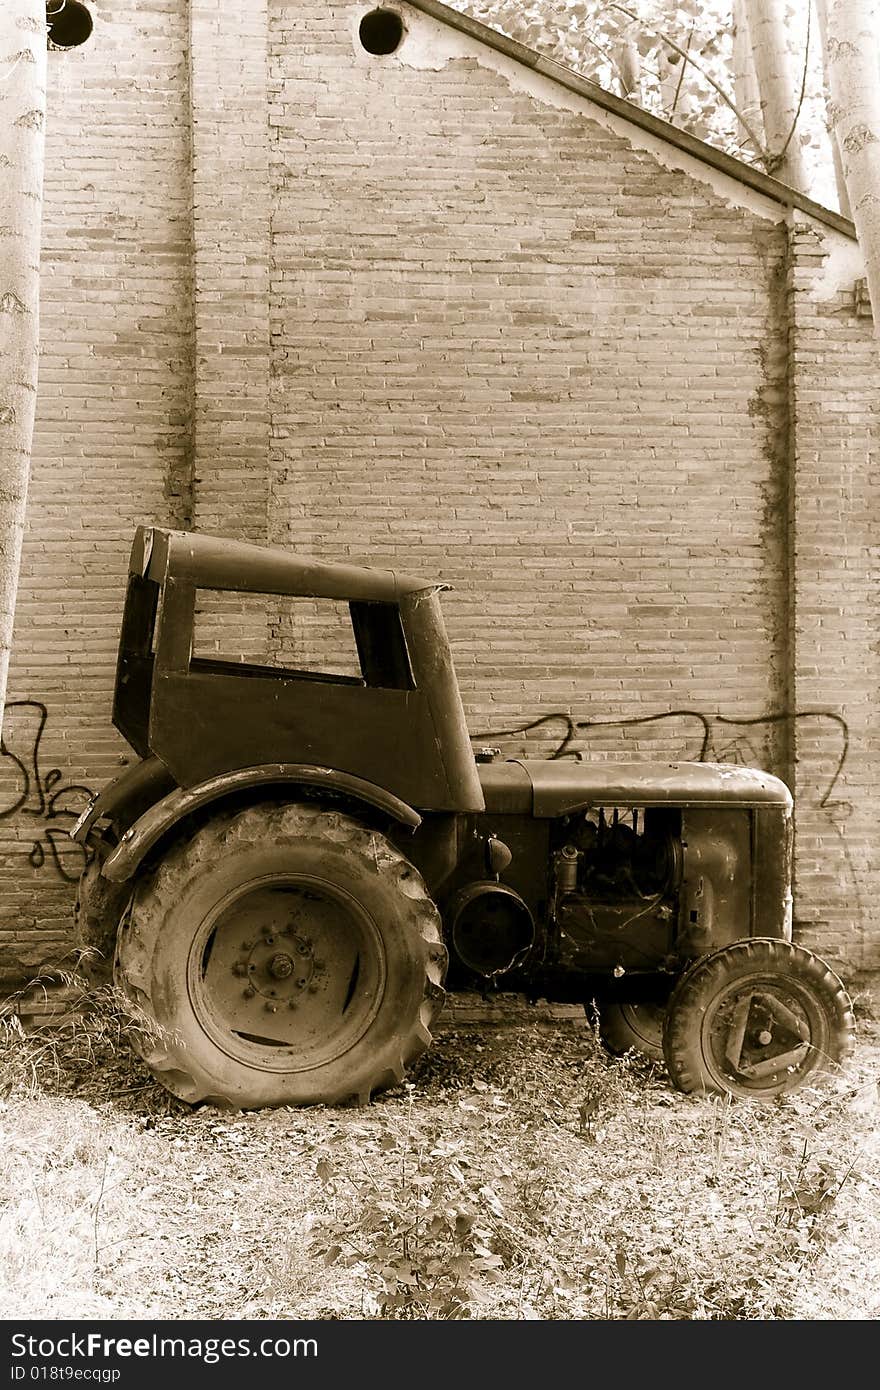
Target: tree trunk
x=779, y=84
x=840, y=181
x=629, y=69
x=22, y=120
x=853, y=29
x=745, y=79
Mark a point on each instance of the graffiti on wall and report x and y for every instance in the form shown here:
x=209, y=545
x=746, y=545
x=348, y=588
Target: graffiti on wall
x=711, y=738
x=48, y=806
x=38, y=797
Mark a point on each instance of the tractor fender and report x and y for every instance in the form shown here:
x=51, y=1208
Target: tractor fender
x=149, y=828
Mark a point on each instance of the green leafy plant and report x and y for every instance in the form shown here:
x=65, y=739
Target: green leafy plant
x=429, y=1239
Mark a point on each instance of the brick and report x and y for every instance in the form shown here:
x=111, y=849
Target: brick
x=415, y=315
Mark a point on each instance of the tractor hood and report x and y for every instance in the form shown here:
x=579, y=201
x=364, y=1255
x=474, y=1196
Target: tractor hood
x=559, y=787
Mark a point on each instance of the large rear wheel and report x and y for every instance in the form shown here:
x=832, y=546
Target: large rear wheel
x=757, y=1019
x=99, y=908
x=289, y=955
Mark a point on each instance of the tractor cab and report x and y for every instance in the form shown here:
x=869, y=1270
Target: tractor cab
x=233, y=656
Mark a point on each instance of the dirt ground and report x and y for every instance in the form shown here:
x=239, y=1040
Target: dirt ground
x=520, y=1173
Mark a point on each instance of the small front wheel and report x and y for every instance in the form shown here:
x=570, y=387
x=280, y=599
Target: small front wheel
x=757, y=1019
x=626, y=1024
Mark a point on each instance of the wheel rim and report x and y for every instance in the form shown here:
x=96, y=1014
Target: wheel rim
x=286, y=973
x=646, y=1023
x=763, y=1034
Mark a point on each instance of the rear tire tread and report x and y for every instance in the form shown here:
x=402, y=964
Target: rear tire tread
x=158, y=893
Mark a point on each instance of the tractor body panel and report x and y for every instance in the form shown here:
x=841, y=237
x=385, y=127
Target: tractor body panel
x=563, y=786
x=272, y=781
x=399, y=723
x=621, y=869
x=548, y=874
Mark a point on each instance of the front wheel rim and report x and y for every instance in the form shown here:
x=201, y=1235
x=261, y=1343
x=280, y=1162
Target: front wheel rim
x=763, y=1034
x=286, y=973
x=645, y=1021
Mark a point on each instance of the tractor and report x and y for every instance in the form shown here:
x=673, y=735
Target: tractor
x=307, y=854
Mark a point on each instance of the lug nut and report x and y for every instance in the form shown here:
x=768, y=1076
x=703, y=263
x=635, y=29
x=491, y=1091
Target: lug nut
x=271, y=1008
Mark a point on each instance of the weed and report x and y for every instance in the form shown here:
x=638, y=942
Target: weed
x=426, y=1240
x=521, y=1174
x=86, y=1050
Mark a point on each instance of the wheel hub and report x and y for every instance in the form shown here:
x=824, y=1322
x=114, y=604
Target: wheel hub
x=279, y=976
x=764, y=1035
x=280, y=966
x=290, y=965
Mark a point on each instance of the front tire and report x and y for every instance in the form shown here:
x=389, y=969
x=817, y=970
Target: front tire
x=756, y=1019
x=289, y=955
x=628, y=1024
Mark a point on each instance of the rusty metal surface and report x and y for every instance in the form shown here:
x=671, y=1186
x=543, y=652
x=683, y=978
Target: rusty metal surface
x=716, y=899
x=204, y=724
x=564, y=786
x=125, y=798
x=772, y=853
x=507, y=788
x=435, y=676
x=400, y=725
x=218, y=562
x=161, y=817
x=271, y=974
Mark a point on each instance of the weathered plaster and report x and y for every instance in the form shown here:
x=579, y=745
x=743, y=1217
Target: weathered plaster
x=429, y=45
x=842, y=265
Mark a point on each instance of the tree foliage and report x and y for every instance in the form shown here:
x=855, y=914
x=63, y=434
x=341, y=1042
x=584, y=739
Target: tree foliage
x=680, y=60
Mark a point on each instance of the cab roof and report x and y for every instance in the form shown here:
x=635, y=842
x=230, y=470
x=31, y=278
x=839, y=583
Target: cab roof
x=219, y=562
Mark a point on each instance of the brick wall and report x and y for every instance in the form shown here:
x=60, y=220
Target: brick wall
x=604, y=398
x=431, y=311
x=112, y=432
x=517, y=353
x=231, y=198
x=834, y=552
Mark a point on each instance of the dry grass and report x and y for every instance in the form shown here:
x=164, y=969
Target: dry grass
x=521, y=1174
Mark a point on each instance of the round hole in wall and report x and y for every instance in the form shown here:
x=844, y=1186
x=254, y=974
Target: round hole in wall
x=381, y=31
x=68, y=23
